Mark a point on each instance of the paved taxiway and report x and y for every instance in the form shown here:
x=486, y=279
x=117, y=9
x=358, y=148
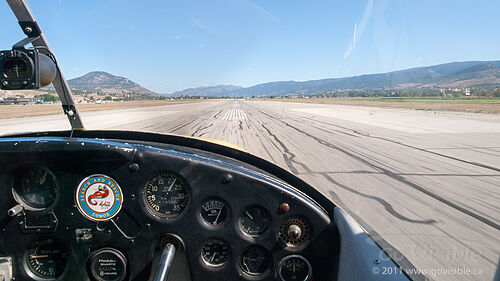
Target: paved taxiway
x=427, y=183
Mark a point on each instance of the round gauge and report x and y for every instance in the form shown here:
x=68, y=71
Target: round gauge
x=215, y=252
x=214, y=211
x=294, y=267
x=37, y=188
x=108, y=264
x=166, y=195
x=45, y=260
x=253, y=220
x=255, y=260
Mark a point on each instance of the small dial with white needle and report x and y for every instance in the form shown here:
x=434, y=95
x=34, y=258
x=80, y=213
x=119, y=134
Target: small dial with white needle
x=215, y=252
x=253, y=220
x=214, y=211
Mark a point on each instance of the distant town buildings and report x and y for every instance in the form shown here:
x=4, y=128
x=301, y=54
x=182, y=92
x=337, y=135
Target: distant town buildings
x=17, y=100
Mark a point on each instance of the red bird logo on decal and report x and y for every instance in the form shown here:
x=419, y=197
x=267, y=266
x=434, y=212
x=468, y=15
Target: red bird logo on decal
x=102, y=192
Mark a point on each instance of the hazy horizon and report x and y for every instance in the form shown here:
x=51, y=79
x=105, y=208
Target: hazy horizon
x=169, y=46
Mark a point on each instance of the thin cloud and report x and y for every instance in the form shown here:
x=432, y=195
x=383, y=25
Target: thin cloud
x=263, y=11
x=359, y=29
x=354, y=37
x=205, y=27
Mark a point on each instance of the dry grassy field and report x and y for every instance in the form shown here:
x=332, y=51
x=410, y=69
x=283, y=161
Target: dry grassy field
x=477, y=105
x=16, y=111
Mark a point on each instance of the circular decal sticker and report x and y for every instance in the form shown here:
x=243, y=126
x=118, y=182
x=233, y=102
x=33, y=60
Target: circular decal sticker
x=99, y=198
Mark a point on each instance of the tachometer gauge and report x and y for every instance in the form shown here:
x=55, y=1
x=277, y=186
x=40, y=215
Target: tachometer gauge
x=45, y=260
x=255, y=260
x=166, y=195
x=37, y=188
x=214, y=211
x=253, y=220
x=294, y=268
x=215, y=252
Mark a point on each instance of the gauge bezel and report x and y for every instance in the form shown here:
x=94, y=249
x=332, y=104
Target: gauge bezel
x=17, y=184
x=117, y=253
x=269, y=265
x=215, y=266
x=211, y=225
x=29, y=270
x=157, y=215
x=266, y=214
x=282, y=261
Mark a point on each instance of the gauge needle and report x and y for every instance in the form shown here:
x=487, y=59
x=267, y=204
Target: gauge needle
x=217, y=218
x=170, y=187
x=39, y=256
x=248, y=214
x=213, y=257
x=42, y=180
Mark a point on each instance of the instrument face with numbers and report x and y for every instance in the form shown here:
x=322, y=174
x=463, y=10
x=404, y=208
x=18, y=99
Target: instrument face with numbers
x=45, y=260
x=167, y=195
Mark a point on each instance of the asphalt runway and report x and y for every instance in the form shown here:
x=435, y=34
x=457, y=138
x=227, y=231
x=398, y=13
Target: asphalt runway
x=426, y=184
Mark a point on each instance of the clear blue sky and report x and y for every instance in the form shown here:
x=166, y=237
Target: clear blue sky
x=172, y=45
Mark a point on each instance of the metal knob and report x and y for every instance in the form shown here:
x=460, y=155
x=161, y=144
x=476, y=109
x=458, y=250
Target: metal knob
x=15, y=210
x=294, y=231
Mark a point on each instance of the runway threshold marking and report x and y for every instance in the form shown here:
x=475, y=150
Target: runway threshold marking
x=235, y=114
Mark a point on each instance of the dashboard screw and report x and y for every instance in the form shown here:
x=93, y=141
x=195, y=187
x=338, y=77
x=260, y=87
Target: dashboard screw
x=227, y=179
x=148, y=226
x=28, y=29
x=132, y=196
x=133, y=167
x=5, y=83
x=377, y=261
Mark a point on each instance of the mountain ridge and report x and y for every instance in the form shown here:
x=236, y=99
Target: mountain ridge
x=205, y=91
x=100, y=81
x=417, y=77
x=449, y=75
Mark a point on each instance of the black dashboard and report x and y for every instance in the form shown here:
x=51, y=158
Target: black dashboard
x=101, y=209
